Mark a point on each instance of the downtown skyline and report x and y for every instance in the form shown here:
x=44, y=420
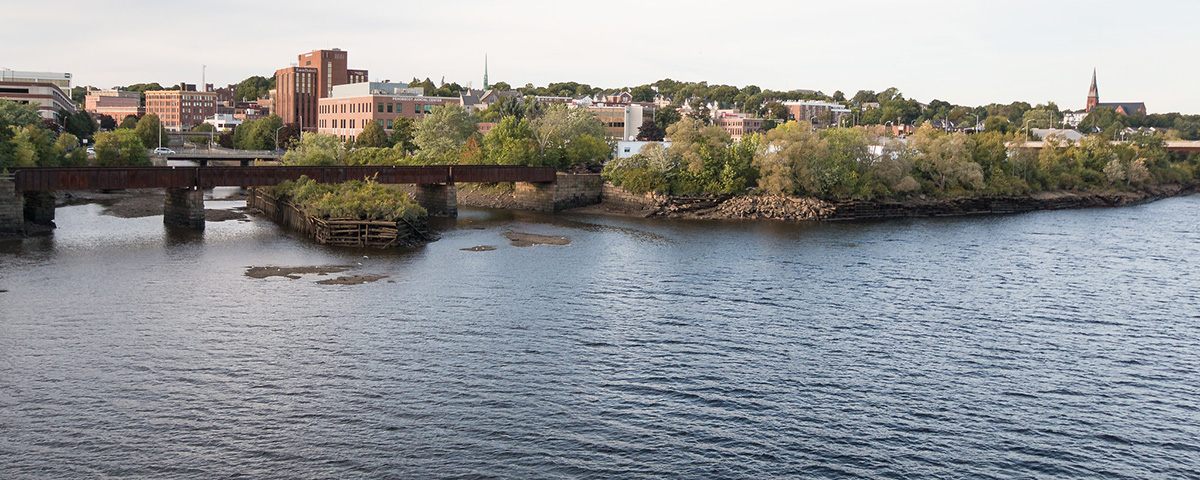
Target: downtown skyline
x=964, y=54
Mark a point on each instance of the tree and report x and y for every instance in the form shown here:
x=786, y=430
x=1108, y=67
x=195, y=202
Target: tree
x=567, y=136
x=129, y=122
x=642, y=93
x=152, y=132
x=1105, y=119
x=650, y=131
x=666, y=117
x=442, y=132
x=121, y=147
x=19, y=114
x=107, y=122
x=259, y=134
x=402, y=134
x=511, y=143
x=998, y=124
x=316, y=149
x=946, y=158
x=33, y=147
x=80, y=124
x=69, y=151
x=253, y=88
x=372, y=136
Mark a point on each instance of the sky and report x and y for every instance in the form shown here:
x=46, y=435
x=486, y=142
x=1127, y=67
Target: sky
x=964, y=52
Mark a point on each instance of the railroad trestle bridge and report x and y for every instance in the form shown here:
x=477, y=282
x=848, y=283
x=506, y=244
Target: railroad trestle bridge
x=30, y=190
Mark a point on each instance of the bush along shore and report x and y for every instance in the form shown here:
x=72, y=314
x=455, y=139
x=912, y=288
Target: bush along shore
x=795, y=172
x=352, y=214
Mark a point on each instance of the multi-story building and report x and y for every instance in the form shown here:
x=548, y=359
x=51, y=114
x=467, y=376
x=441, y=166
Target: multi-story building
x=621, y=121
x=48, y=90
x=180, y=110
x=352, y=106
x=298, y=88
x=816, y=112
x=117, y=104
x=738, y=124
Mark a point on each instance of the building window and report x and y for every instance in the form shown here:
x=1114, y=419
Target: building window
x=389, y=108
x=380, y=107
x=399, y=108
x=428, y=108
x=417, y=109
x=389, y=124
x=351, y=123
x=343, y=123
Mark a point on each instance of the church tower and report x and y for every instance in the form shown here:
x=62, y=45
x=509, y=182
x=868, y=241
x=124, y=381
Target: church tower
x=487, y=87
x=1093, y=94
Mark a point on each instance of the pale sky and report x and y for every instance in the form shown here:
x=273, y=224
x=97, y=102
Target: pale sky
x=964, y=52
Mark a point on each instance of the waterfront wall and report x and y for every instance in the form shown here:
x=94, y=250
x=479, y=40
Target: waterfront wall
x=438, y=199
x=339, y=232
x=12, y=209
x=621, y=197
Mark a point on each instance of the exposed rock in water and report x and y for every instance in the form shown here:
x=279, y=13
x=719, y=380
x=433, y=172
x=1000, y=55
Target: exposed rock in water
x=480, y=248
x=352, y=280
x=293, y=272
x=528, y=239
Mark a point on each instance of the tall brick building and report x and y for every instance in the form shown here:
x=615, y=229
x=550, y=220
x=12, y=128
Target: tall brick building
x=298, y=88
x=180, y=110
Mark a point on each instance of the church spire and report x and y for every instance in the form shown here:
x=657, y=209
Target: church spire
x=1093, y=93
x=486, y=87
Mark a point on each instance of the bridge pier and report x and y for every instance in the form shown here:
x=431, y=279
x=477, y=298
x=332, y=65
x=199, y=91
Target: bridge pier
x=12, y=209
x=438, y=199
x=39, y=207
x=184, y=207
x=568, y=191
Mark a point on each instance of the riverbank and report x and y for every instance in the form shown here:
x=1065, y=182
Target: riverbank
x=617, y=201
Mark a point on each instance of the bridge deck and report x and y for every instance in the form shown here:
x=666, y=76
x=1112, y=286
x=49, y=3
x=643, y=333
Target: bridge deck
x=101, y=178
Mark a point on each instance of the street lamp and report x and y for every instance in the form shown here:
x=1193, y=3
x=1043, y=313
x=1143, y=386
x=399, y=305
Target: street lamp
x=1027, y=120
x=976, y=121
x=277, y=137
x=812, y=122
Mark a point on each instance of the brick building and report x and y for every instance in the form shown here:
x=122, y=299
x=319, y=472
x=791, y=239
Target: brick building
x=738, y=124
x=298, y=88
x=350, y=107
x=819, y=113
x=180, y=110
x=48, y=90
x=117, y=104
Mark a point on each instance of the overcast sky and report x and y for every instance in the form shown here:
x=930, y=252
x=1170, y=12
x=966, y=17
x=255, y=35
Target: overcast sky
x=965, y=52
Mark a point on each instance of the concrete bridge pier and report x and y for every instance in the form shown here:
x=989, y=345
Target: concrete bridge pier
x=184, y=207
x=39, y=207
x=12, y=209
x=438, y=199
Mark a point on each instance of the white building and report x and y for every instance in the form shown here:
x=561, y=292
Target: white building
x=50, y=91
x=224, y=122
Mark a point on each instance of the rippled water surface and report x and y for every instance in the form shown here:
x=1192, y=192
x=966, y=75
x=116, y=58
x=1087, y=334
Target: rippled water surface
x=1046, y=345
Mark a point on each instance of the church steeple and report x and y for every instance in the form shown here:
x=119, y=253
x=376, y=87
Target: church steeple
x=486, y=86
x=1093, y=94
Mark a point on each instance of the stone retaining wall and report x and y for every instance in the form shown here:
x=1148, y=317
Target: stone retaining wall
x=39, y=207
x=577, y=190
x=12, y=209
x=624, y=198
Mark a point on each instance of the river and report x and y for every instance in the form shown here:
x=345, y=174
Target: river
x=1057, y=344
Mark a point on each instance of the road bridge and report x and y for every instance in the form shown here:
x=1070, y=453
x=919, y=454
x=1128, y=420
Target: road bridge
x=184, y=204
x=244, y=158
x=1185, y=146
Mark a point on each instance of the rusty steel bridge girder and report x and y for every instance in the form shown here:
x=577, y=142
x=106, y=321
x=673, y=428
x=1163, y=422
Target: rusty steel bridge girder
x=113, y=178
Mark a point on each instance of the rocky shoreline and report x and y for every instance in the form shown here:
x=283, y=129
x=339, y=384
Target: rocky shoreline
x=782, y=207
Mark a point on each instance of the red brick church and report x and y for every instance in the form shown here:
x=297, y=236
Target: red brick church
x=1123, y=108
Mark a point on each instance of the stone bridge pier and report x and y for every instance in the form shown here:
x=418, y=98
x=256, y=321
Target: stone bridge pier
x=569, y=191
x=12, y=209
x=184, y=207
x=438, y=199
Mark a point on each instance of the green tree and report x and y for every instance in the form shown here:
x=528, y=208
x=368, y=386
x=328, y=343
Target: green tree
x=650, y=131
x=107, y=122
x=567, y=136
x=372, y=136
x=121, y=147
x=253, y=88
x=259, y=134
x=80, y=124
x=129, y=122
x=403, y=131
x=1105, y=119
x=511, y=143
x=790, y=154
x=316, y=149
x=151, y=131
x=19, y=114
x=441, y=133
x=665, y=117
x=69, y=152
x=33, y=146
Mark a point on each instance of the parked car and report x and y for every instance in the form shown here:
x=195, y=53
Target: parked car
x=91, y=151
x=163, y=151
